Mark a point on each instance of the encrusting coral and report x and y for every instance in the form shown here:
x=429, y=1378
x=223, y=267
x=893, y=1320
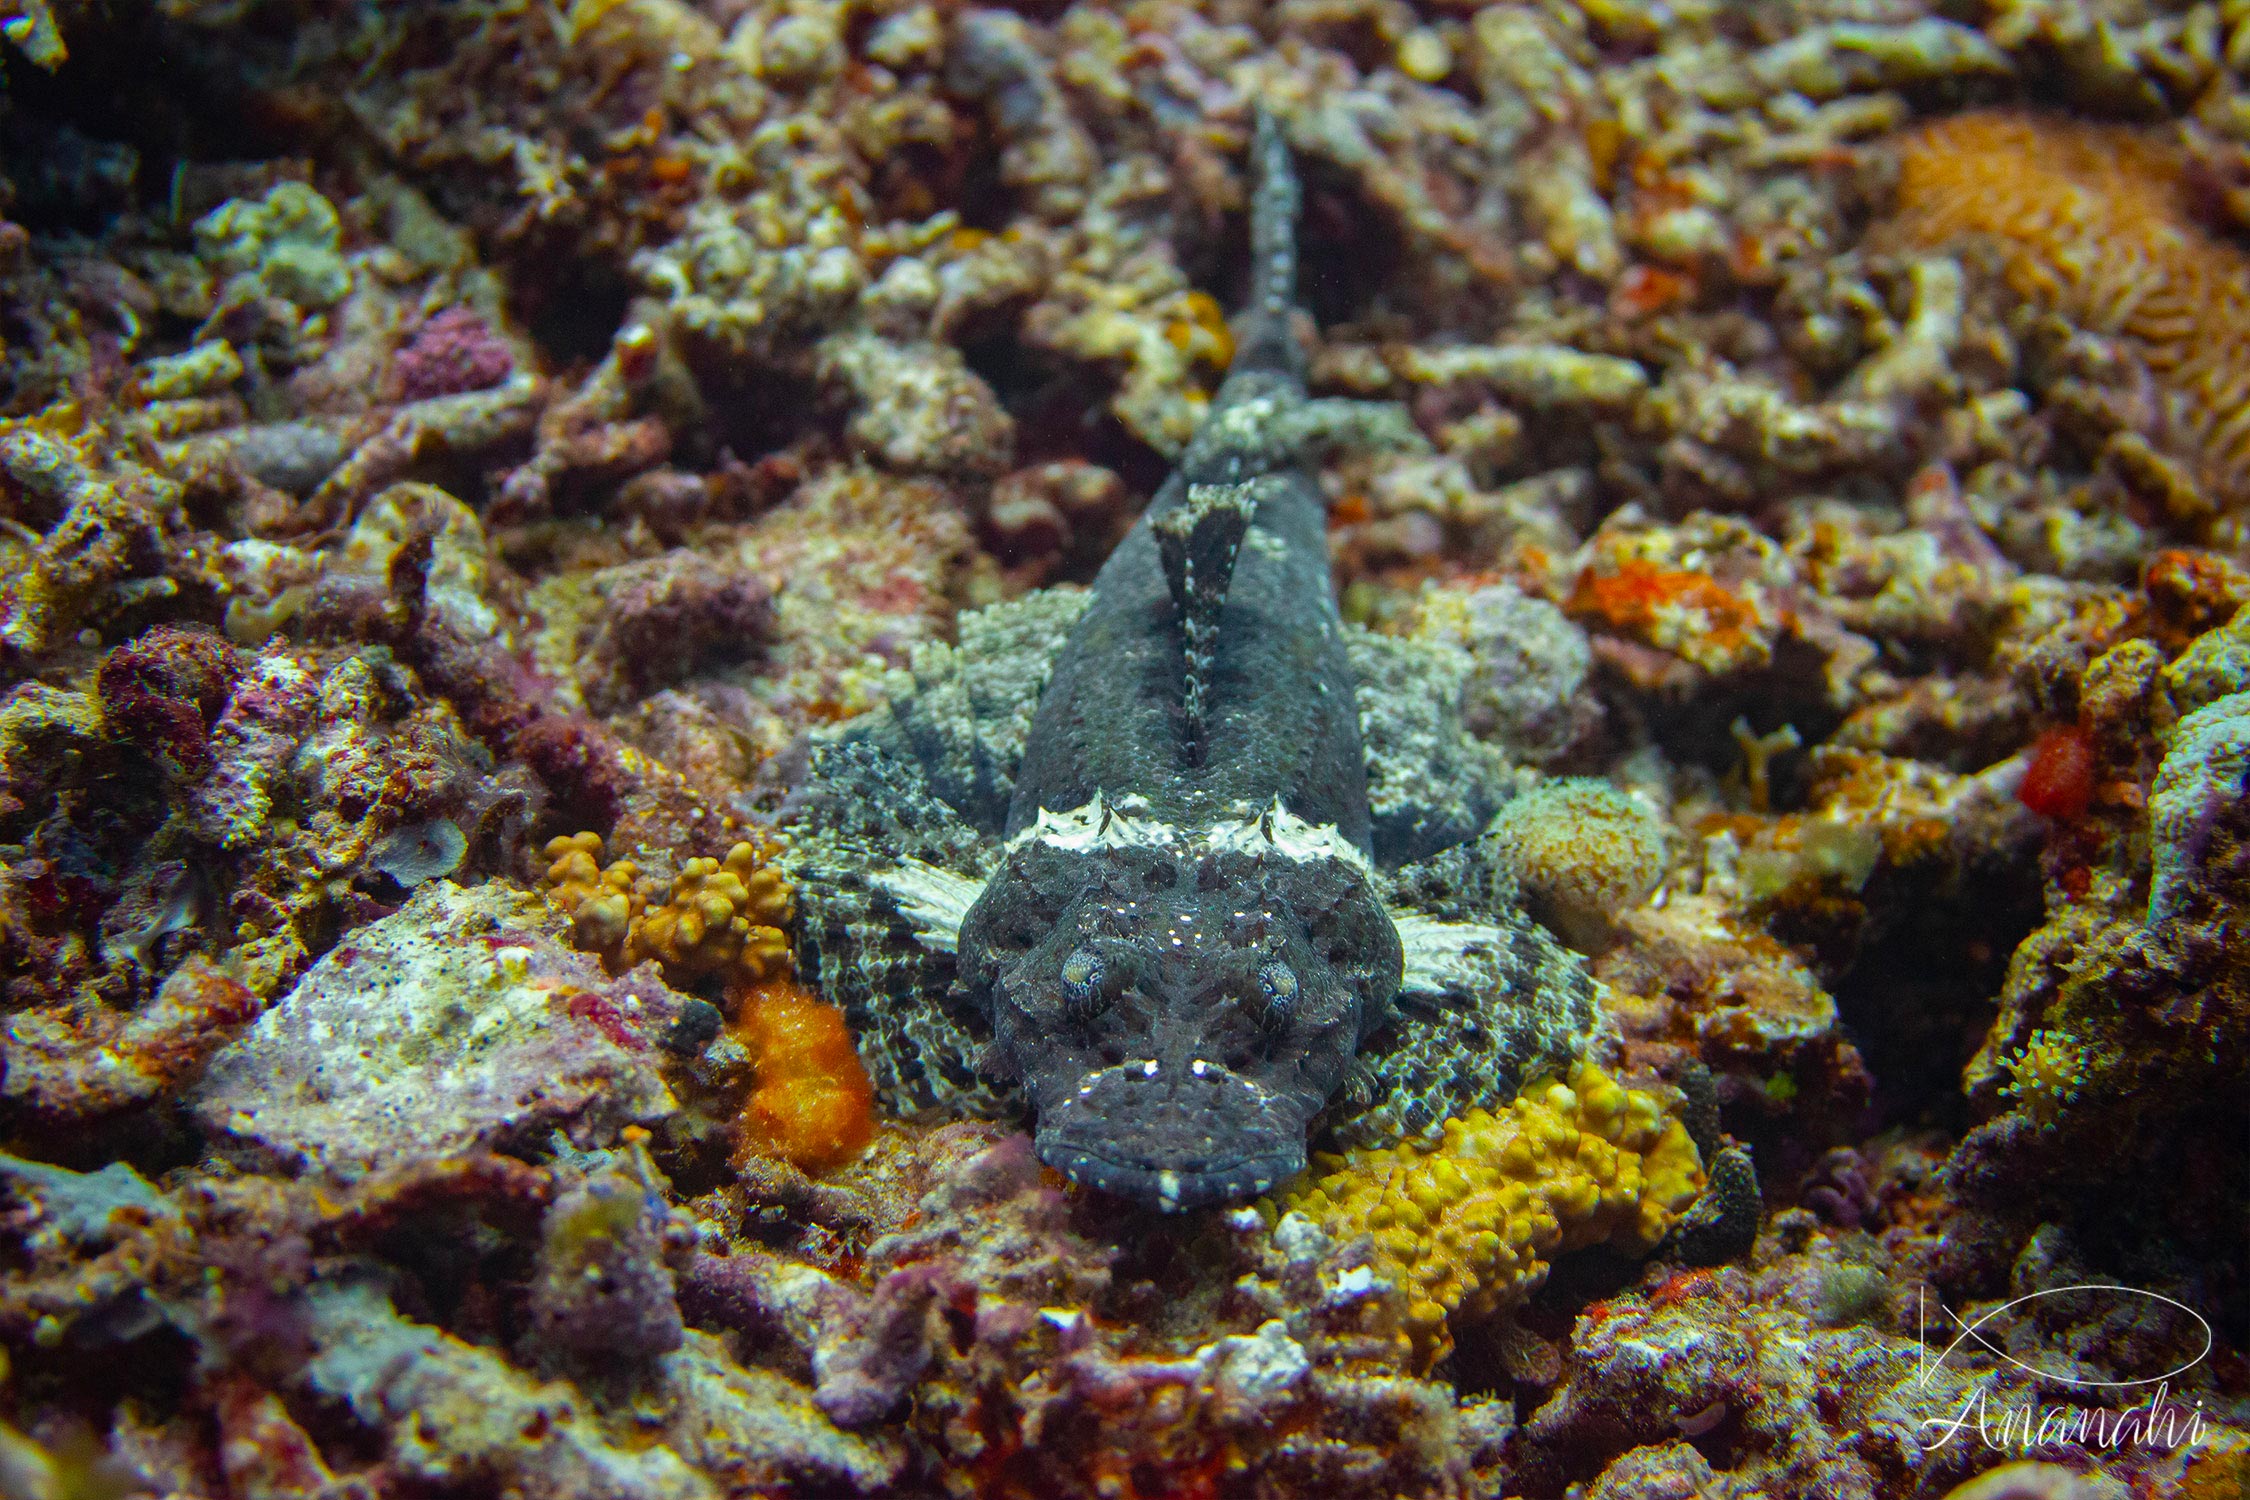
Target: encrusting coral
x=601, y=1295
x=1468, y=1227
x=812, y=1105
x=600, y=900
x=456, y=1021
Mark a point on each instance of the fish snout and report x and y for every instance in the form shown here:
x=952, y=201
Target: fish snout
x=1176, y=1136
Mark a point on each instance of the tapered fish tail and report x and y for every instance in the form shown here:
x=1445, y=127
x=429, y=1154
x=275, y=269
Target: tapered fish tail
x=1273, y=219
x=1265, y=340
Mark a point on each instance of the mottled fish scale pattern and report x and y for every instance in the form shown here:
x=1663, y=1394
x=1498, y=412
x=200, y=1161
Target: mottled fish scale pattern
x=972, y=702
x=1525, y=1007
x=867, y=810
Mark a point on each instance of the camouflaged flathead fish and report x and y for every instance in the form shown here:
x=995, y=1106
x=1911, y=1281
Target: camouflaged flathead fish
x=1183, y=863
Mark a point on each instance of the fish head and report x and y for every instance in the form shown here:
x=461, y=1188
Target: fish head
x=1179, y=1014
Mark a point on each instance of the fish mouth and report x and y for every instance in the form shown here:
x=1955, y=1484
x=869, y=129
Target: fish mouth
x=1174, y=1138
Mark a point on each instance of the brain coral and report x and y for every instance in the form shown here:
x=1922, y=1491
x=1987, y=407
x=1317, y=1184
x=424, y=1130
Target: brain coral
x=1583, y=853
x=1468, y=1227
x=2095, y=223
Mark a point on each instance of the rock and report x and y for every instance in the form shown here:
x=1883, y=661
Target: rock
x=454, y=1024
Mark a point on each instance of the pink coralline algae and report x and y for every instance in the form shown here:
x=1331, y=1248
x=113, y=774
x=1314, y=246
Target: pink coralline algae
x=163, y=691
x=454, y=352
x=653, y=621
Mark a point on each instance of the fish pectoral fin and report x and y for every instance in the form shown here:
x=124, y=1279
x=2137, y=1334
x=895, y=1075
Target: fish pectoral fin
x=1360, y=1087
x=934, y=901
x=1441, y=957
x=994, y=1062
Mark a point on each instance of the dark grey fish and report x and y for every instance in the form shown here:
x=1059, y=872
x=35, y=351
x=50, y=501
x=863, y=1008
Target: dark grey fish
x=1185, y=944
x=1162, y=905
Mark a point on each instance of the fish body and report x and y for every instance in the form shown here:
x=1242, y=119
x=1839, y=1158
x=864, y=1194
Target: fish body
x=1184, y=864
x=1185, y=943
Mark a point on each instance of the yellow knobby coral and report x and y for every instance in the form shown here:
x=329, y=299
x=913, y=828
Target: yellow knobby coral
x=602, y=901
x=1468, y=1226
x=2047, y=1075
x=2097, y=223
x=723, y=918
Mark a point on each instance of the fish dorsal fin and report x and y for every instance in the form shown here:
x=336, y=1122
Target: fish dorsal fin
x=1199, y=540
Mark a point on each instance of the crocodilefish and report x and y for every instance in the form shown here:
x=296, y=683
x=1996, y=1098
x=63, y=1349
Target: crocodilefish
x=1182, y=863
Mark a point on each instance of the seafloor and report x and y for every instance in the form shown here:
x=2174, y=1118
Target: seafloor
x=459, y=456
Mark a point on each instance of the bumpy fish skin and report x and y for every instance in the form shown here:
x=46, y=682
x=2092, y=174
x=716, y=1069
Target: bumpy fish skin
x=1116, y=856
x=1185, y=944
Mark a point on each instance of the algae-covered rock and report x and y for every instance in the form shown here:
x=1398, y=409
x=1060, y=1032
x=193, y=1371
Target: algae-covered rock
x=455, y=1023
x=2196, y=796
x=601, y=1294
x=287, y=240
x=456, y=1412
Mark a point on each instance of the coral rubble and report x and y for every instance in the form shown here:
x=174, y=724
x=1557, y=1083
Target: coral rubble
x=464, y=467
x=2098, y=224
x=445, y=1026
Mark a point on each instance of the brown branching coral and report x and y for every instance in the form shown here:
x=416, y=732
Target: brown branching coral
x=2095, y=223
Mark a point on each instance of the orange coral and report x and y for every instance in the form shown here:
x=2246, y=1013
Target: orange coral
x=2096, y=224
x=1203, y=332
x=813, y=1106
x=1689, y=614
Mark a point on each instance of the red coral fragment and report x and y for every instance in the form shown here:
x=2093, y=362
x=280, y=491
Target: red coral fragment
x=1643, y=290
x=605, y=1015
x=2060, y=781
x=2191, y=592
x=161, y=691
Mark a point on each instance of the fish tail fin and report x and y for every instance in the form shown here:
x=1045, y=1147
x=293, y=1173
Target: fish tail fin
x=1266, y=340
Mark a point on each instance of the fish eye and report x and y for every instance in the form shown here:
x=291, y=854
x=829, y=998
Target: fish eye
x=1277, y=986
x=1082, y=978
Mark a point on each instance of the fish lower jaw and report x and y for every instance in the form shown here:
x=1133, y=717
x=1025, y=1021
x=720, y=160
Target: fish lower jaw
x=1174, y=1189
x=1173, y=1139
